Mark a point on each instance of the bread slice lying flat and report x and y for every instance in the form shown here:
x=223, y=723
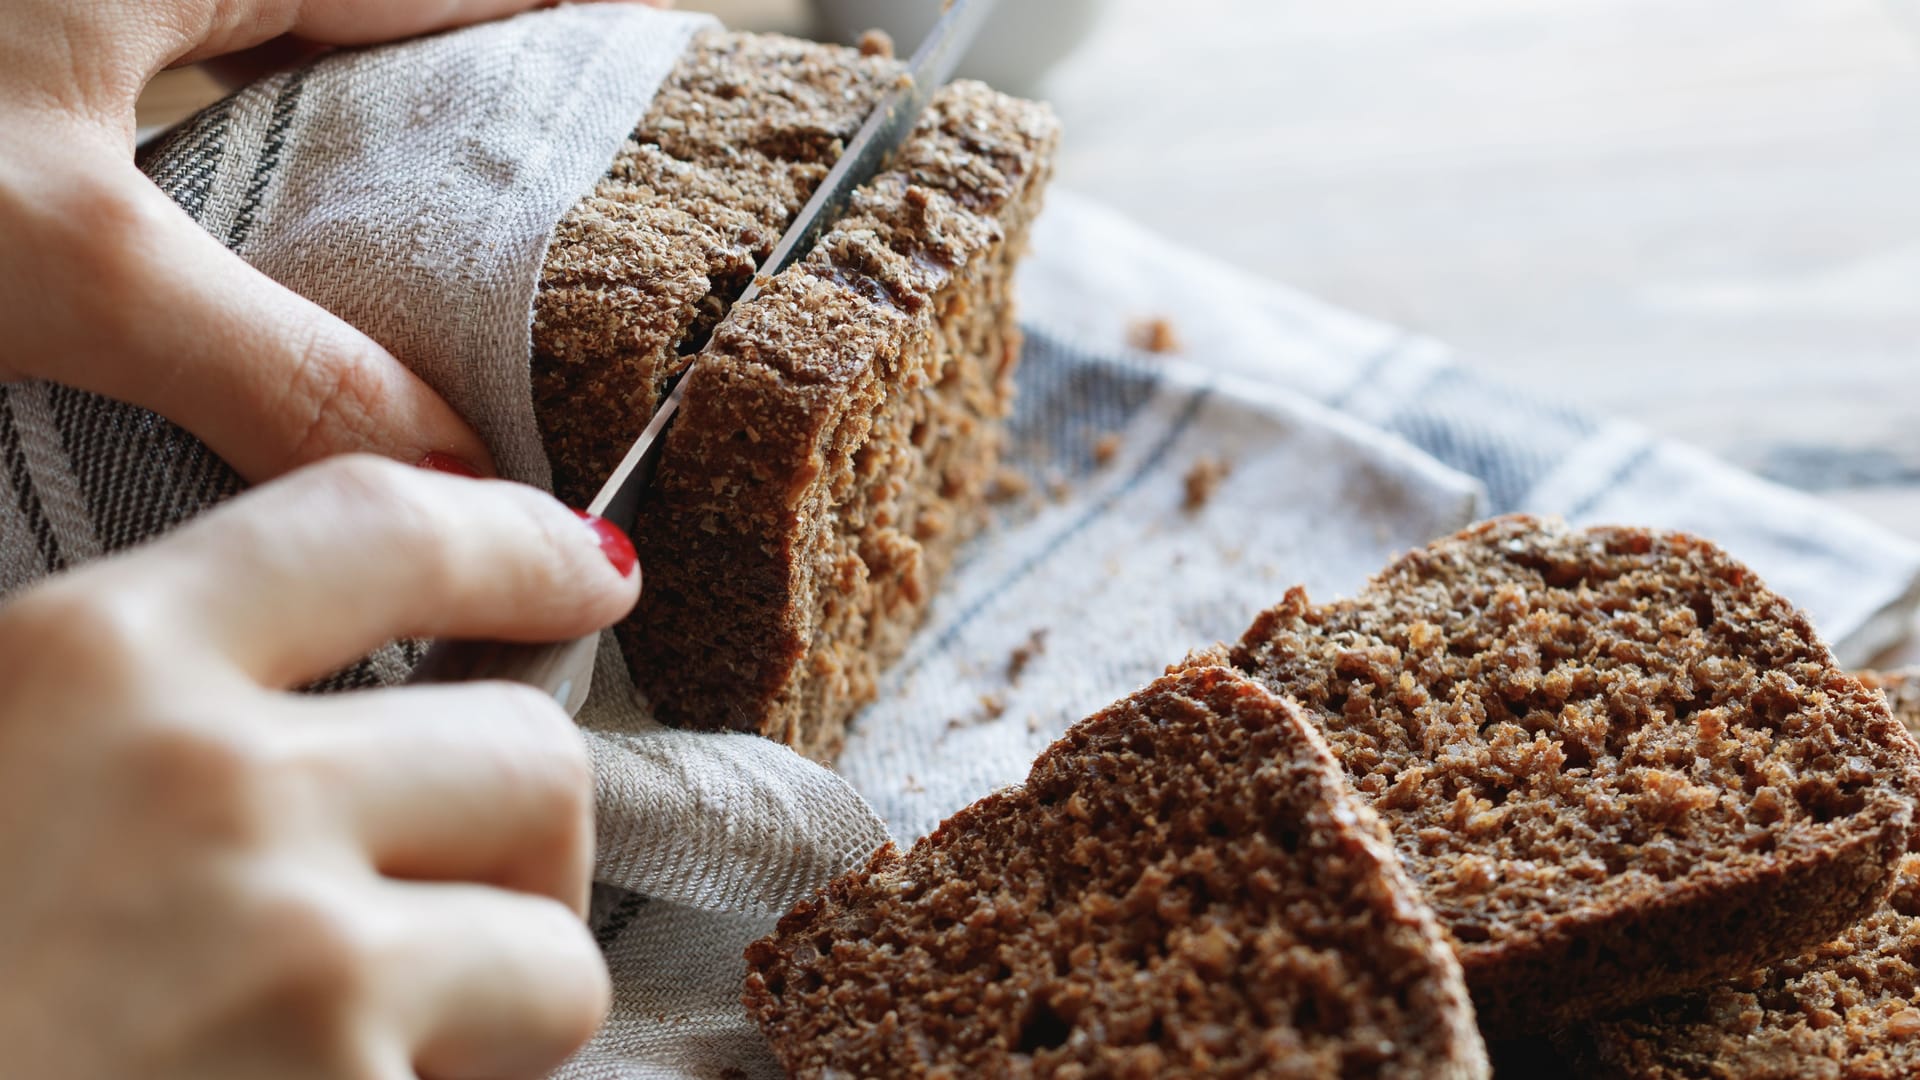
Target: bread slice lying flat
x=1848, y=1010
x=1616, y=765
x=1183, y=886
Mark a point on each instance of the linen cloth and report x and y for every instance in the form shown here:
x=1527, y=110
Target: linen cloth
x=411, y=189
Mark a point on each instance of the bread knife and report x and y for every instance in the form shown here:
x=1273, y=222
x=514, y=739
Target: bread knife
x=565, y=669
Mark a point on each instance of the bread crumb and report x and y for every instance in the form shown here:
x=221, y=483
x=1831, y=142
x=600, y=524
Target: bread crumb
x=1022, y=656
x=1106, y=448
x=1007, y=484
x=1154, y=335
x=876, y=42
x=992, y=707
x=1203, y=479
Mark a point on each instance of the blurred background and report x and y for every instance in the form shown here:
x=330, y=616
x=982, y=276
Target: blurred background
x=1703, y=215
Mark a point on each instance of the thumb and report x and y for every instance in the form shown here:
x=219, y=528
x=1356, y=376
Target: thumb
x=137, y=302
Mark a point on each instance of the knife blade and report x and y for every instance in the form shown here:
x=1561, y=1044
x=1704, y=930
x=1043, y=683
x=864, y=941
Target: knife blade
x=565, y=669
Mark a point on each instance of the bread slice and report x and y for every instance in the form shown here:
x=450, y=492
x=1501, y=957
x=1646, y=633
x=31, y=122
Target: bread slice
x=1183, y=886
x=1617, y=766
x=837, y=437
x=1847, y=1010
x=639, y=270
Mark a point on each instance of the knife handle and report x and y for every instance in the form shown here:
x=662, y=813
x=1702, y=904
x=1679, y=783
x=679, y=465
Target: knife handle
x=563, y=669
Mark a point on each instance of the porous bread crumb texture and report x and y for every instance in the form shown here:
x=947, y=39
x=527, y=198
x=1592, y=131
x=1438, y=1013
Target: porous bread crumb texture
x=1847, y=1010
x=1184, y=886
x=834, y=449
x=838, y=438
x=1615, y=763
x=1902, y=688
x=641, y=269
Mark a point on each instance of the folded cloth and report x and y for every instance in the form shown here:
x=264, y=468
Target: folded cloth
x=412, y=188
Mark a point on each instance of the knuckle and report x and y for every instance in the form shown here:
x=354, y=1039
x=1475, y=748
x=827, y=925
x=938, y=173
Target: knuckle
x=399, y=511
x=363, y=480
x=215, y=781
x=336, y=389
x=553, y=763
x=560, y=569
x=62, y=627
x=318, y=959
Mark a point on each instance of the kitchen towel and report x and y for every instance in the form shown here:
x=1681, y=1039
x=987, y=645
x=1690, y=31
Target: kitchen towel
x=1169, y=494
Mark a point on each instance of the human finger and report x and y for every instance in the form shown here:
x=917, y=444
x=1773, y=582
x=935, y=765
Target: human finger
x=135, y=301
x=295, y=578
x=483, y=782
x=492, y=984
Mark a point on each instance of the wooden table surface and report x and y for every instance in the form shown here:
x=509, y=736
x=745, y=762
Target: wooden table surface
x=1703, y=215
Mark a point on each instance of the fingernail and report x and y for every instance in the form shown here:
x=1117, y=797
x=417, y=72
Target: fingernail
x=447, y=463
x=613, y=543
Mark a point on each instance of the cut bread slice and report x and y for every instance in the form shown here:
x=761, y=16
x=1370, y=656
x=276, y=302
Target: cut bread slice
x=1183, y=886
x=1617, y=766
x=640, y=269
x=1848, y=1010
x=838, y=435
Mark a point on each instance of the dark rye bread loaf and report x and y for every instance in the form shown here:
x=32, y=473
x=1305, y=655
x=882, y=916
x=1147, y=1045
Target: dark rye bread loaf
x=1616, y=765
x=1184, y=886
x=837, y=437
x=1847, y=1010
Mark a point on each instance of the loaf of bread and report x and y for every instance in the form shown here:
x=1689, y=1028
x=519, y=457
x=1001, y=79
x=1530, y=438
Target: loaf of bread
x=1184, y=886
x=1616, y=765
x=1847, y=1010
x=839, y=431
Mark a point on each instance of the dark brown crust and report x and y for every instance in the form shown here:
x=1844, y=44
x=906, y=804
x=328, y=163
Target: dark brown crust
x=1184, y=886
x=1848, y=1010
x=1608, y=653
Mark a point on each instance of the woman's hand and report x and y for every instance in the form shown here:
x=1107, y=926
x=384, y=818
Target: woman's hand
x=204, y=876
x=106, y=285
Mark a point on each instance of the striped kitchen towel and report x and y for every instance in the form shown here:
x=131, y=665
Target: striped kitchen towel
x=1168, y=494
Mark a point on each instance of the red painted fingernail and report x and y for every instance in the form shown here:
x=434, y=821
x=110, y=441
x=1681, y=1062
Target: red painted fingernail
x=613, y=543
x=447, y=463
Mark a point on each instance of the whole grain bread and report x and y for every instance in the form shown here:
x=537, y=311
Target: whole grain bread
x=1617, y=766
x=838, y=435
x=1184, y=886
x=1847, y=1010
